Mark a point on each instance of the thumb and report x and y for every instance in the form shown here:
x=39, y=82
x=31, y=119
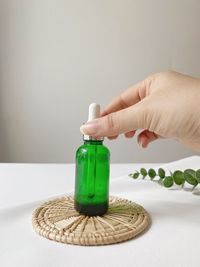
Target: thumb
x=125, y=120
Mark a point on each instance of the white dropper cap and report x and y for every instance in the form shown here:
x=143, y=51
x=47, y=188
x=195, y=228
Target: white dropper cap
x=93, y=113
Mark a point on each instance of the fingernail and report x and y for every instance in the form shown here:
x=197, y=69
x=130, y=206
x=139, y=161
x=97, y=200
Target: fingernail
x=89, y=128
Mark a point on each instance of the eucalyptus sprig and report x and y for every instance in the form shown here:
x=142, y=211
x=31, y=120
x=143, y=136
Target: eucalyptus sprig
x=177, y=177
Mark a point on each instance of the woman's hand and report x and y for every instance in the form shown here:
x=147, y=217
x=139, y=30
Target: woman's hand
x=166, y=105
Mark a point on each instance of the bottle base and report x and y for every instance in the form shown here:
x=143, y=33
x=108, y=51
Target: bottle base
x=92, y=209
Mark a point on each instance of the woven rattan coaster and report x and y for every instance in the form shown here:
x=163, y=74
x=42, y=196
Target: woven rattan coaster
x=59, y=221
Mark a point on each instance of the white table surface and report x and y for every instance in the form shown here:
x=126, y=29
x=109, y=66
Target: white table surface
x=172, y=240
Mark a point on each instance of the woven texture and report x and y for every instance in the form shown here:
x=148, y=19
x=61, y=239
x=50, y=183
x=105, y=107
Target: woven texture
x=59, y=221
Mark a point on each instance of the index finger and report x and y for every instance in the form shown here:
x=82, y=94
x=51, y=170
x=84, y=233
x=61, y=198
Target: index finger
x=127, y=98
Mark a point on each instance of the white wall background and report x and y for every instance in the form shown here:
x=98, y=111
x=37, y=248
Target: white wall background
x=57, y=56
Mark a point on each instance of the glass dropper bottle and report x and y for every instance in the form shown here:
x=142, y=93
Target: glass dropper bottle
x=92, y=173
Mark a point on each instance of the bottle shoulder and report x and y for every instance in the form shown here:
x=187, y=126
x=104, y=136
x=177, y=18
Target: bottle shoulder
x=81, y=149
x=84, y=148
x=106, y=149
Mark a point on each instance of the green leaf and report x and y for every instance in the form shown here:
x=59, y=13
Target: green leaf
x=152, y=173
x=143, y=172
x=168, y=181
x=190, y=177
x=198, y=175
x=161, y=173
x=135, y=175
x=178, y=177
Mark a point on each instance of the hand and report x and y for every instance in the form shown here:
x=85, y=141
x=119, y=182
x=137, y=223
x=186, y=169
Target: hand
x=165, y=105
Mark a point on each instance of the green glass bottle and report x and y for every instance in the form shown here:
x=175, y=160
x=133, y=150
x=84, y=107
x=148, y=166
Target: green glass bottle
x=92, y=177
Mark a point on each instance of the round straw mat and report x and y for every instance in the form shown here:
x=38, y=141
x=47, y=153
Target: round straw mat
x=59, y=221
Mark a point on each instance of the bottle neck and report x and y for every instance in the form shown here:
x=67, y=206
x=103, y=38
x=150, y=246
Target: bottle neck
x=93, y=142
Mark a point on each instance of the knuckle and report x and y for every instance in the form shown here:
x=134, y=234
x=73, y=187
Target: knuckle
x=165, y=75
x=146, y=119
x=161, y=76
x=122, y=102
x=111, y=123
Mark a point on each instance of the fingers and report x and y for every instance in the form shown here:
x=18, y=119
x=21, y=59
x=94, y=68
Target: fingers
x=124, y=114
x=121, y=115
x=129, y=134
x=112, y=137
x=129, y=97
x=146, y=137
x=123, y=121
